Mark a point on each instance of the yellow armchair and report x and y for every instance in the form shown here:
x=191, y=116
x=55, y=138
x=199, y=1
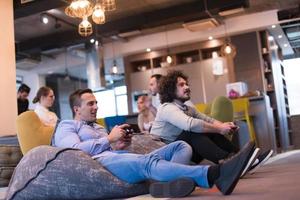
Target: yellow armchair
x=32, y=132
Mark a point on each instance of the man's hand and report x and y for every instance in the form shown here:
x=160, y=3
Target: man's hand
x=227, y=128
x=124, y=142
x=117, y=133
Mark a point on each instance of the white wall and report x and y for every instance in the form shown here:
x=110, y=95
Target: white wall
x=33, y=80
x=8, y=96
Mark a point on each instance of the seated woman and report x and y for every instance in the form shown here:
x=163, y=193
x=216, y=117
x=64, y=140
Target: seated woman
x=146, y=114
x=45, y=99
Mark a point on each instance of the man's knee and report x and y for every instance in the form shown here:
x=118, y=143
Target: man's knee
x=183, y=145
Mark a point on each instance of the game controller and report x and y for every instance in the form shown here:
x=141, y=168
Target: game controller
x=128, y=130
x=234, y=129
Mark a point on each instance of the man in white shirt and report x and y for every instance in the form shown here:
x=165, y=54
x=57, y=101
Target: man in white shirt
x=153, y=87
x=177, y=121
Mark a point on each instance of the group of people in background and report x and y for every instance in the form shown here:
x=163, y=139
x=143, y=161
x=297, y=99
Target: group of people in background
x=168, y=114
x=44, y=100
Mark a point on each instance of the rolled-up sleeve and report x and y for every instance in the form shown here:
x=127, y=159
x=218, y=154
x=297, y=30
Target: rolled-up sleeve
x=66, y=136
x=172, y=114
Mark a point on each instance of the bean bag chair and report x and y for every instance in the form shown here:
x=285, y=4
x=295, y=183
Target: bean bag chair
x=47, y=172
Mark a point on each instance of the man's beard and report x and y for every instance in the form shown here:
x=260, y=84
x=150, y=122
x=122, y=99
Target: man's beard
x=184, y=99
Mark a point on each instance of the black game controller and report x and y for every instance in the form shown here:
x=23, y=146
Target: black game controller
x=128, y=130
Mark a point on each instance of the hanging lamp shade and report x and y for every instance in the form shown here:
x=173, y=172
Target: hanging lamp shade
x=85, y=28
x=79, y=8
x=114, y=69
x=109, y=5
x=98, y=14
x=228, y=49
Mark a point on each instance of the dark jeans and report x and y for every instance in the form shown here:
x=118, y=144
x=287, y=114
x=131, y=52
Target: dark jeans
x=210, y=146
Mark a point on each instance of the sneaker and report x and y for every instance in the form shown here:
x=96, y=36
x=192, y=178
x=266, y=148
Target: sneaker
x=231, y=170
x=176, y=188
x=251, y=161
x=261, y=159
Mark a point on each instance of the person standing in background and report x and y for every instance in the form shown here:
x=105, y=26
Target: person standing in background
x=153, y=87
x=22, y=98
x=45, y=99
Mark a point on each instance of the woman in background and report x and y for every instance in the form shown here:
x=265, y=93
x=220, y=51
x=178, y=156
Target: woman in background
x=45, y=99
x=146, y=115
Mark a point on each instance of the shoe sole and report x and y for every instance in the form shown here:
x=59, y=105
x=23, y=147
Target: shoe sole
x=176, y=188
x=228, y=191
x=261, y=163
x=251, y=161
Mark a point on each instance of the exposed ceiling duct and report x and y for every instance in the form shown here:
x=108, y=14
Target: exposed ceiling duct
x=27, y=63
x=201, y=25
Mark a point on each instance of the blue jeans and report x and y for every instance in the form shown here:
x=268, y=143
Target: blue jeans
x=164, y=164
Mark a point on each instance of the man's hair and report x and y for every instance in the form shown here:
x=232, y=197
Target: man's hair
x=168, y=86
x=157, y=77
x=75, y=98
x=24, y=88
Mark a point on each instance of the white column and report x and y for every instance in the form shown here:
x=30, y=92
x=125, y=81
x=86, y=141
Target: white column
x=95, y=69
x=8, y=96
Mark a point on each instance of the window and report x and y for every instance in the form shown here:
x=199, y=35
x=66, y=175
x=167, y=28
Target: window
x=106, y=103
x=112, y=102
x=292, y=71
x=121, y=99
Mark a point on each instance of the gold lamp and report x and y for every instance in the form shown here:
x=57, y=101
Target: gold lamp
x=109, y=5
x=85, y=8
x=85, y=28
x=228, y=49
x=98, y=14
x=79, y=8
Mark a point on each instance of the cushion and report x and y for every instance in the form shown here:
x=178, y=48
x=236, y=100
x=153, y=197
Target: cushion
x=10, y=155
x=47, y=172
x=144, y=143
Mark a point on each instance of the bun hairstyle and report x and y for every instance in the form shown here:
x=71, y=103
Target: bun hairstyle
x=43, y=91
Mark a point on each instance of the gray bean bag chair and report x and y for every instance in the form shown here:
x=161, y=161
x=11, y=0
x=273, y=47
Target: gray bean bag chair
x=54, y=173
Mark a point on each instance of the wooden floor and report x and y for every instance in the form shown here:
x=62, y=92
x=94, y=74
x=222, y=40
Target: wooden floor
x=279, y=179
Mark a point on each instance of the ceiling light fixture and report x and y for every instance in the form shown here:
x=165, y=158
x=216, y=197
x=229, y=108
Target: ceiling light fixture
x=109, y=5
x=85, y=27
x=228, y=49
x=98, y=14
x=210, y=38
x=44, y=18
x=114, y=69
x=79, y=8
x=273, y=26
x=285, y=45
x=85, y=8
x=279, y=36
x=148, y=50
x=169, y=58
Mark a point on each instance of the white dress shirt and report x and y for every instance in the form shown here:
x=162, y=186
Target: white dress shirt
x=47, y=117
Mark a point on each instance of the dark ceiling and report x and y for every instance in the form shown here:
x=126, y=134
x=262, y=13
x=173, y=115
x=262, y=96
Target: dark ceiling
x=32, y=37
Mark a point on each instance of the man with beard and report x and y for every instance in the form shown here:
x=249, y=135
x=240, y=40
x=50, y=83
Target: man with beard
x=176, y=121
x=22, y=96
